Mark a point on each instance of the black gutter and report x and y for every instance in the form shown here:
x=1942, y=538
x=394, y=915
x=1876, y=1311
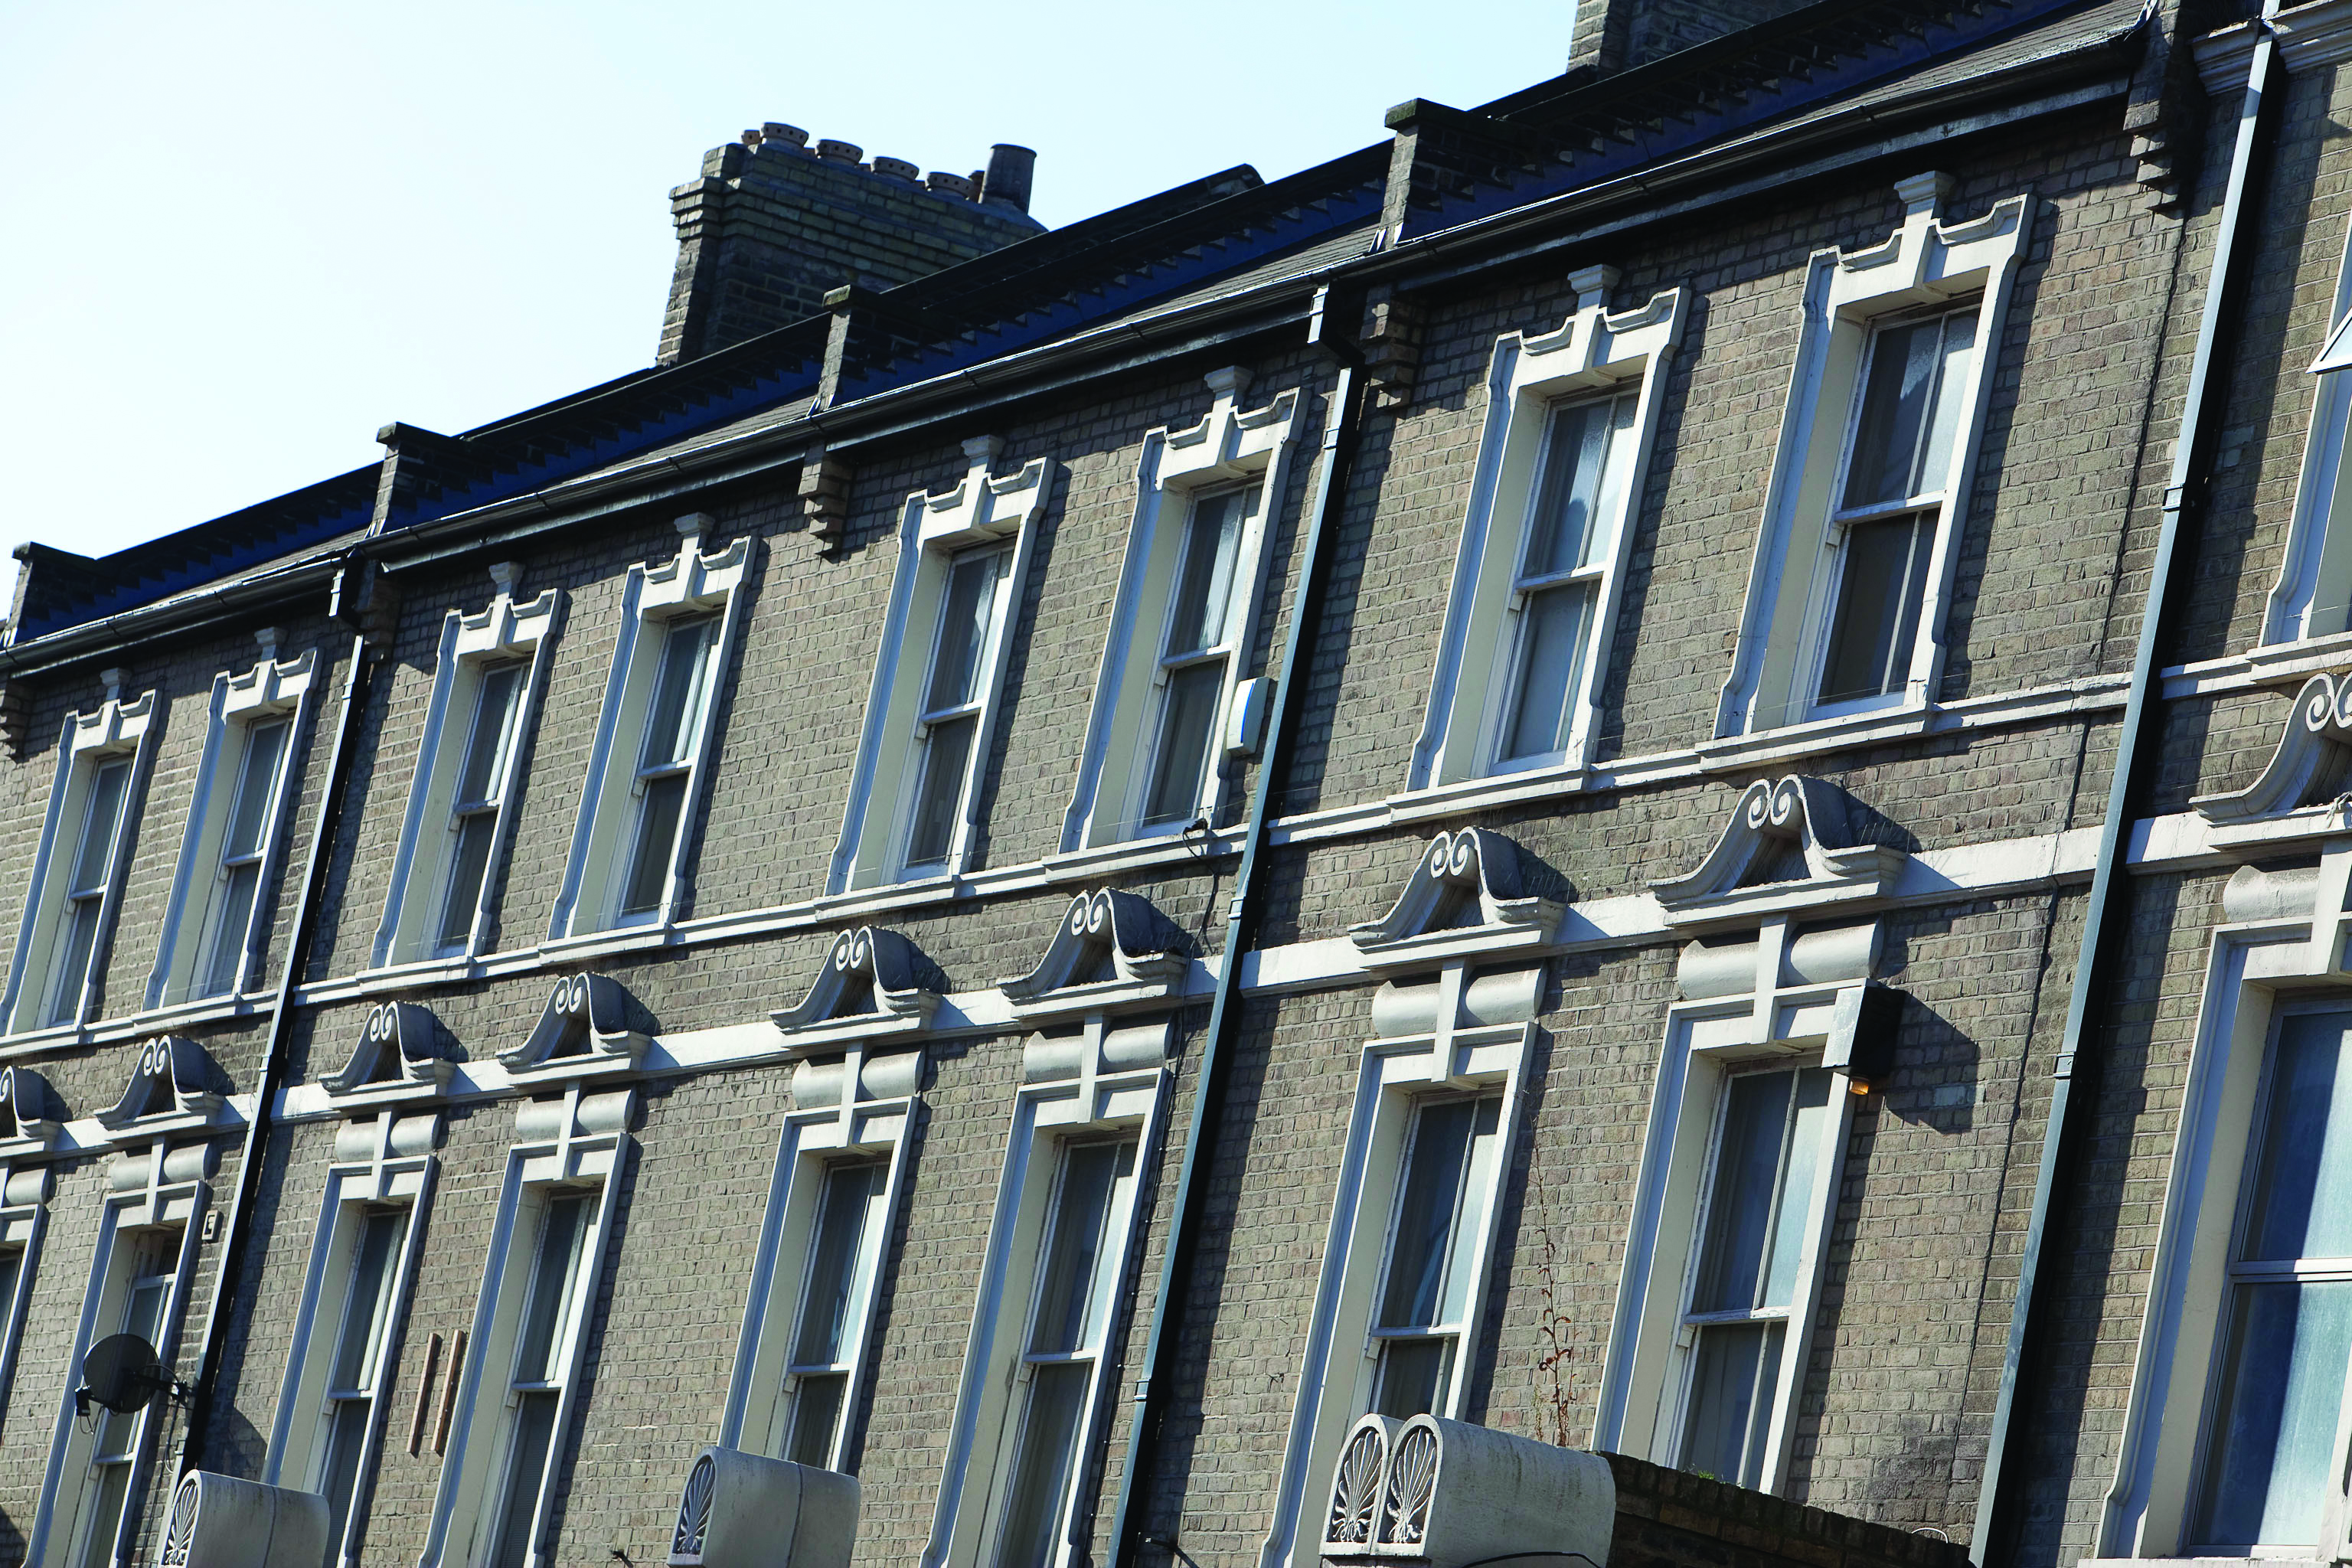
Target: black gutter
x=1243, y=917
x=2099, y=965
x=358, y=684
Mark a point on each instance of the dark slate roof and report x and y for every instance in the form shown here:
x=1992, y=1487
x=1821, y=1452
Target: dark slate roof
x=1209, y=239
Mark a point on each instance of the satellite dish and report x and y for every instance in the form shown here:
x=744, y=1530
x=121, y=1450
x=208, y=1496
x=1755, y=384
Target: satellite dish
x=122, y=1372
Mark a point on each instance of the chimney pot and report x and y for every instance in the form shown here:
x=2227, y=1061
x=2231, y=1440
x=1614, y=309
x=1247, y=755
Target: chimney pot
x=895, y=168
x=840, y=151
x=1009, y=171
x=751, y=138
x=792, y=136
x=949, y=184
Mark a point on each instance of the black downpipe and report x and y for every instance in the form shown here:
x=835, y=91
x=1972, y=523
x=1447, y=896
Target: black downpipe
x=358, y=683
x=1244, y=916
x=2098, y=963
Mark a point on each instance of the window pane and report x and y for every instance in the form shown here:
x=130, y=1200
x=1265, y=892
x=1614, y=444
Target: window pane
x=144, y=1313
x=346, y=1439
x=1739, y=1210
x=551, y=1288
x=2275, y=1430
x=816, y=1409
x=1951, y=383
x=249, y=813
x=478, y=776
x=364, y=1308
x=526, y=1469
x=946, y=755
x=470, y=866
x=1042, y=1471
x=1194, y=693
x=1798, y=1196
x=1204, y=592
x=1413, y=1377
x=1902, y=444
x=680, y=689
x=833, y=1264
x=231, y=925
x=966, y=619
x=1470, y=1212
x=1067, y=1277
x=106, y=1515
x=106, y=792
x=74, y=949
x=1550, y=653
x=2303, y=1191
x=1733, y=1374
x=657, y=819
x=1585, y=458
x=1425, y=1213
x=12, y=1270
x=1880, y=584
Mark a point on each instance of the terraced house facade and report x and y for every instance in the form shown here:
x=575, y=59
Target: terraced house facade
x=1660, y=767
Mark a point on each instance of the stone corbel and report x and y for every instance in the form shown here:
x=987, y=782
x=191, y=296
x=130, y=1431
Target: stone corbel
x=1464, y=897
x=2304, y=787
x=30, y=1118
x=870, y=984
x=1738, y=879
x=400, y=1053
x=170, y=1083
x=1112, y=927
x=584, y=1027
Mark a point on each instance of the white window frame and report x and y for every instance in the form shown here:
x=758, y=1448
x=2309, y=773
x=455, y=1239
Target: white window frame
x=1230, y=448
x=2313, y=595
x=381, y=1161
x=507, y=631
x=982, y=511
x=156, y=1187
x=578, y=1139
x=1594, y=354
x=1428, y=1049
x=691, y=584
x=857, y=1110
x=1109, y=1079
x=24, y=1220
x=1725, y=1022
x=115, y=730
x=1784, y=627
x=272, y=691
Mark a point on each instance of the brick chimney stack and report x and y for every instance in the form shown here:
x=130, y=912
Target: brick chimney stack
x=773, y=224
x=1617, y=34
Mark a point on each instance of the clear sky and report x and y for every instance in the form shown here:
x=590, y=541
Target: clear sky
x=239, y=237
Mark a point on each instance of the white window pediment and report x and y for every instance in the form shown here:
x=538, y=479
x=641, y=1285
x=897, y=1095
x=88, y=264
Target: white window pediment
x=1819, y=521
x=1112, y=952
x=2306, y=786
x=870, y=987
x=489, y=675
x=1595, y=357
x=1463, y=900
x=1790, y=847
x=30, y=1116
x=585, y=1029
x=171, y=1090
x=400, y=1055
x=1142, y=741
x=931, y=719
